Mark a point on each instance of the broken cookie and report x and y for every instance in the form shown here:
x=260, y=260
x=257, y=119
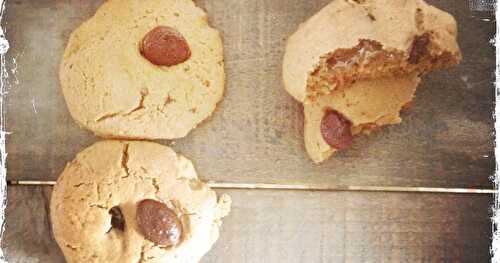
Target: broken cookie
x=361, y=108
x=134, y=202
x=355, y=64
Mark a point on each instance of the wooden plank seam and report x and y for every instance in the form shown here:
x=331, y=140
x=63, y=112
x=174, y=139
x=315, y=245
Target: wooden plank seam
x=302, y=187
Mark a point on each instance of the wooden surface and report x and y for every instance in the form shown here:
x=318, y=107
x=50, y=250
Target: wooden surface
x=256, y=133
x=290, y=226
x=255, y=136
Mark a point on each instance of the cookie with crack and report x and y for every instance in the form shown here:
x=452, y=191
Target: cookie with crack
x=143, y=69
x=350, y=40
x=134, y=202
x=350, y=43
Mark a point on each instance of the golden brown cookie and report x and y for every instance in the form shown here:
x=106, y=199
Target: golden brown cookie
x=366, y=105
x=143, y=69
x=351, y=40
x=355, y=64
x=134, y=202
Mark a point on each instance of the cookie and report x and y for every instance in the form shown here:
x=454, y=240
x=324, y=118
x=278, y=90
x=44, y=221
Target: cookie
x=355, y=64
x=350, y=40
x=143, y=69
x=134, y=202
x=331, y=121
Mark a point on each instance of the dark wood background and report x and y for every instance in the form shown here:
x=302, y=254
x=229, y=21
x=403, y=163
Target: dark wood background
x=255, y=136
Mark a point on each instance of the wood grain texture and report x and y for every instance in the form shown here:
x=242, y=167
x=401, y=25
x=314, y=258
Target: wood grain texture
x=255, y=135
x=289, y=226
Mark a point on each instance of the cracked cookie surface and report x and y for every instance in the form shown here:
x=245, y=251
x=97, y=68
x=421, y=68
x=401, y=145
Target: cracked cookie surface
x=94, y=205
x=113, y=89
x=355, y=65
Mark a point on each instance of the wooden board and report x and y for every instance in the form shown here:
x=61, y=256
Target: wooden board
x=291, y=226
x=256, y=133
x=255, y=136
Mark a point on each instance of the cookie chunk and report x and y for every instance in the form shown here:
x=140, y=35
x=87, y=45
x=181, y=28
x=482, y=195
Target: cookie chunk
x=134, y=202
x=143, y=69
x=351, y=40
x=355, y=64
x=331, y=121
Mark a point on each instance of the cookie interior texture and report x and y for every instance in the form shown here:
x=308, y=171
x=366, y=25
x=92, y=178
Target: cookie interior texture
x=370, y=60
x=368, y=104
x=113, y=90
x=94, y=204
x=355, y=40
x=362, y=58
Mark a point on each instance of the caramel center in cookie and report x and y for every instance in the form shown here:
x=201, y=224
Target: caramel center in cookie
x=158, y=223
x=165, y=46
x=336, y=130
